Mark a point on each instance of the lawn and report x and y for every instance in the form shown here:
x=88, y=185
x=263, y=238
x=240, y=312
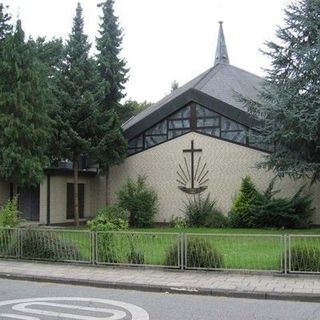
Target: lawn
x=249, y=249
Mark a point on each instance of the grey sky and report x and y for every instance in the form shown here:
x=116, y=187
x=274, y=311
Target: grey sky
x=166, y=40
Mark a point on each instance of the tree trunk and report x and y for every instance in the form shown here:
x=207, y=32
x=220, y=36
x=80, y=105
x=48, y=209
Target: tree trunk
x=11, y=191
x=107, y=186
x=76, y=193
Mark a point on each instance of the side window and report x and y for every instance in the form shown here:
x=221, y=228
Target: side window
x=70, y=200
x=233, y=131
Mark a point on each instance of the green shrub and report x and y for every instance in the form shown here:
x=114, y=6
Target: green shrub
x=200, y=254
x=48, y=246
x=140, y=201
x=257, y=209
x=203, y=213
x=281, y=212
x=305, y=258
x=178, y=223
x=110, y=218
x=240, y=214
x=9, y=214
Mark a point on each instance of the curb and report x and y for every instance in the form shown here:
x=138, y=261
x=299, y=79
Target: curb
x=303, y=297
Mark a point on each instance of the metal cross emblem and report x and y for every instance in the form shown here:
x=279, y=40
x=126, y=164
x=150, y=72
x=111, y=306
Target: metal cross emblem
x=192, y=178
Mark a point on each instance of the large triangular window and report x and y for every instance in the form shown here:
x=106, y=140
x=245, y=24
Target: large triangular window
x=193, y=117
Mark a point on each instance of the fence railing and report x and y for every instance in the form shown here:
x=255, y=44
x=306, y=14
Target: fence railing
x=138, y=248
x=240, y=252
x=246, y=252
x=304, y=253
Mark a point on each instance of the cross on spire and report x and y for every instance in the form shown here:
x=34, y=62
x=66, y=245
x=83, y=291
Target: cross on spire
x=221, y=51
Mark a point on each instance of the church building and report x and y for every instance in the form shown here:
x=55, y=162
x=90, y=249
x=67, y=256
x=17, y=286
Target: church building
x=196, y=140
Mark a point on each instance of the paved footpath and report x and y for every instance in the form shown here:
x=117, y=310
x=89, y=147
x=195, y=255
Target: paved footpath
x=299, y=288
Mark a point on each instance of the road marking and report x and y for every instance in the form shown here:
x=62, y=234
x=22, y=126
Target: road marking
x=16, y=316
x=23, y=306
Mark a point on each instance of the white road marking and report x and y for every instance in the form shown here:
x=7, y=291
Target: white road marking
x=16, y=316
x=22, y=305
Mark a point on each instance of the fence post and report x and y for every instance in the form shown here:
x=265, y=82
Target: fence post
x=285, y=239
x=93, y=247
x=181, y=238
x=19, y=243
x=185, y=247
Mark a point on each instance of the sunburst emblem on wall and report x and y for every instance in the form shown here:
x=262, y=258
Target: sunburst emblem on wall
x=193, y=175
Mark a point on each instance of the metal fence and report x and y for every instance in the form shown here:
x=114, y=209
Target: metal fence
x=9, y=243
x=304, y=253
x=234, y=252
x=138, y=248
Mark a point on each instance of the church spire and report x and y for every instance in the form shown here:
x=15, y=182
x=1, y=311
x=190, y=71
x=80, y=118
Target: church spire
x=221, y=52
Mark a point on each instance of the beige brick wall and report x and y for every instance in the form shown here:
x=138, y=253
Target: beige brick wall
x=94, y=197
x=227, y=164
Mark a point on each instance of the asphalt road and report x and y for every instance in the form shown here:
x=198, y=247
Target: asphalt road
x=37, y=301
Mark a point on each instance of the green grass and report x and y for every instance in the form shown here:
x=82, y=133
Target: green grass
x=315, y=231
x=240, y=252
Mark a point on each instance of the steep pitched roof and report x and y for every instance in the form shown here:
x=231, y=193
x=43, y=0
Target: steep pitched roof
x=216, y=88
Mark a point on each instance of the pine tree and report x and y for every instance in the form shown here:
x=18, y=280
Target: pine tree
x=110, y=144
x=290, y=99
x=5, y=26
x=51, y=53
x=111, y=67
x=24, y=121
x=76, y=119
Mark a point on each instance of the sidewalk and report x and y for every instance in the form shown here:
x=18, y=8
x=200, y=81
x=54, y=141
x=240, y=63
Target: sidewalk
x=299, y=288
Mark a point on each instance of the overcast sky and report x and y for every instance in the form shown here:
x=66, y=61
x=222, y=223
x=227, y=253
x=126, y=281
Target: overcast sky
x=166, y=40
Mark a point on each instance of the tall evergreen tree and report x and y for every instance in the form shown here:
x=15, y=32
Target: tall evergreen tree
x=51, y=54
x=78, y=113
x=5, y=25
x=290, y=98
x=23, y=115
x=110, y=145
x=111, y=67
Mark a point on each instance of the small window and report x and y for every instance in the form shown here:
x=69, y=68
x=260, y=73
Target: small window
x=229, y=125
x=150, y=141
x=208, y=122
x=236, y=136
x=160, y=128
x=70, y=200
x=210, y=131
x=203, y=112
x=182, y=114
x=179, y=124
x=176, y=133
x=135, y=145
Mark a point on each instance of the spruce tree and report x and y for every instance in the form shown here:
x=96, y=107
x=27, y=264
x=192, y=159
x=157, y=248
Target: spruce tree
x=290, y=99
x=110, y=144
x=24, y=121
x=51, y=53
x=5, y=25
x=75, y=119
x=111, y=67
